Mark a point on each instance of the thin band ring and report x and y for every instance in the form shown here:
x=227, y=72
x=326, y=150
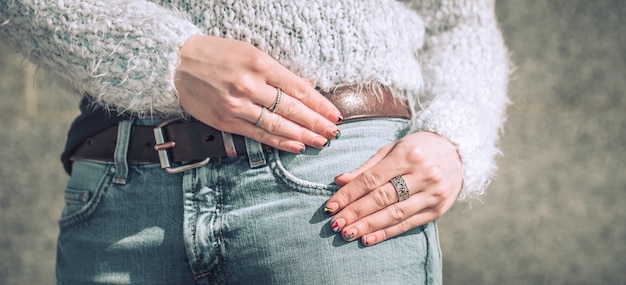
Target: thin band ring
x=400, y=185
x=261, y=117
x=279, y=97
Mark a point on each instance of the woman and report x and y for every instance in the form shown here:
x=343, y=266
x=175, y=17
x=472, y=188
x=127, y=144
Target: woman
x=264, y=141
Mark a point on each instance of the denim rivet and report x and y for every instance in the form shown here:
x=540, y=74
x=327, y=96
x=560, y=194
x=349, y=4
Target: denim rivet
x=85, y=197
x=113, y=169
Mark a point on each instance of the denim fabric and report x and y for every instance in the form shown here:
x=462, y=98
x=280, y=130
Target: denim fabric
x=234, y=221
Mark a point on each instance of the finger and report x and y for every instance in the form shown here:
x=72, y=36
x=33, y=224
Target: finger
x=295, y=111
x=370, y=179
x=393, y=220
x=423, y=217
x=301, y=90
x=379, y=199
x=345, y=178
x=280, y=126
x=244, y=128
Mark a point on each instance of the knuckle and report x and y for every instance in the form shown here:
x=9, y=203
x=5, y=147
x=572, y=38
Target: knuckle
x=383, y=197
x=231, y=103
x=351, y=213
x=259, y=63
x=259, y=135
x=405, y=226
x=369, y=180
x=433, y=173
x=416, y=155
x=288, y=107
x=275, y=124
x=438, y=193
x=397, y=213
x=243, y=83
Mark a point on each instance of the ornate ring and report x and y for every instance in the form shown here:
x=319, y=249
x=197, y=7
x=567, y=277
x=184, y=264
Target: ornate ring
x=261, y=117
x=400, y=185
x=279, y=97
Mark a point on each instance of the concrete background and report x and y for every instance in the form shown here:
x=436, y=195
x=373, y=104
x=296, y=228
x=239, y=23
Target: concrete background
x=554, y=214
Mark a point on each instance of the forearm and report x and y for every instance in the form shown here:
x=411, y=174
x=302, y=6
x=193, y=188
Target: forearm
x=466, y=72
x=123, y=53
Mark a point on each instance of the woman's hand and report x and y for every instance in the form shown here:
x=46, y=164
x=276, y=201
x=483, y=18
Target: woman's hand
x=226, y=84
x=367, y=205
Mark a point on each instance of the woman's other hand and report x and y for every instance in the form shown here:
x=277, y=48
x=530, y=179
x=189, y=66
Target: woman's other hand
x=367, y=205
x=227, y=84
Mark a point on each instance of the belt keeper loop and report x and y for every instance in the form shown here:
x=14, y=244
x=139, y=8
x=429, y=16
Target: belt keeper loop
x=229, y=144
x=121, y=151
x=256, y=155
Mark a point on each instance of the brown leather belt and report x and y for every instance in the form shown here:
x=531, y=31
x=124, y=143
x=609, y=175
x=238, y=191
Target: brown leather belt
x=189, y=141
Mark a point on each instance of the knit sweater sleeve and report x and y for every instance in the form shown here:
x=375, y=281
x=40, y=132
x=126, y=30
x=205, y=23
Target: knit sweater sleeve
x=122, y=52
x=466, y=70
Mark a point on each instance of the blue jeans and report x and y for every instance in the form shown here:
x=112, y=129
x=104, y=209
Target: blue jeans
x=253, y=219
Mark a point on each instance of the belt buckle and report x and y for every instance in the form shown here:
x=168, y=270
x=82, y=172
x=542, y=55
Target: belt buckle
x=162, y=146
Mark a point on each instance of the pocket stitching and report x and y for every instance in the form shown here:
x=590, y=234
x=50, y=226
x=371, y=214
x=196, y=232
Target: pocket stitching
x=85, y=212
x=297, y=184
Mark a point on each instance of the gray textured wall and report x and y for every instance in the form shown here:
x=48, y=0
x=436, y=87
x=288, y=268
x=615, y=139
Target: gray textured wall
x=555, y=213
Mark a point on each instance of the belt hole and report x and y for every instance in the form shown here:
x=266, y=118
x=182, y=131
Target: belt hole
x=209, y=138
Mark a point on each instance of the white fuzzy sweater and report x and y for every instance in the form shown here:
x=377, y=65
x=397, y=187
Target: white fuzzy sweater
x=446, y=56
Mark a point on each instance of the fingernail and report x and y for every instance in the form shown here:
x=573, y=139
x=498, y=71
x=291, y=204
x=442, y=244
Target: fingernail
x=340, y=118
x=337, y=134
x=321, y=141
x=330, y=208
x=298, y=147
x=368, y=240
x=348, y=235
x=338, y=176
x=327, y=144
x=334, y=133
x=310, y=82
x=337, y=225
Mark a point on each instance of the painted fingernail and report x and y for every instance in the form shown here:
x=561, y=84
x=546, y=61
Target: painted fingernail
x=340, y=118
x=330, y=209
x=368, y=240
x=337, y=134
x=302, y=150
x=348, y=235
x=333, y=134
x=327, y=144
x=338, y=176
x=321, y=141
x=337, y=225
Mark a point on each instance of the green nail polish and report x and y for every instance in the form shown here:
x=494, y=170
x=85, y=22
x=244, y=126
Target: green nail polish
x=337, y=134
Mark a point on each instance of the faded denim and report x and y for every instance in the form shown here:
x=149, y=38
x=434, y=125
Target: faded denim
x=253, y=219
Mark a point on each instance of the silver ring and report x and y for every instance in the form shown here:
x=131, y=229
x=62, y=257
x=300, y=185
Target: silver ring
x=400, y=185
x=279, y=97
x=260, y=120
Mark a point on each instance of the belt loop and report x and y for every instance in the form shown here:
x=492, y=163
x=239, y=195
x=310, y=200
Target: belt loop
x=121, y=149
x=256, y=156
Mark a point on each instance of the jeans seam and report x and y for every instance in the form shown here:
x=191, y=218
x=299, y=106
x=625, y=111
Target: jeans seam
x=220, y=248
